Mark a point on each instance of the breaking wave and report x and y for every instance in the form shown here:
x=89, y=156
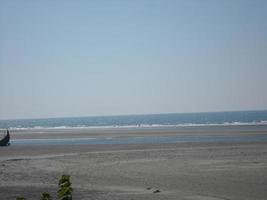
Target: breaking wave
x=141, y=126
x=240, y=118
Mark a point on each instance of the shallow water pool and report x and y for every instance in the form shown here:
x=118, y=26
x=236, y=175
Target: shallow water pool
x=140, y=140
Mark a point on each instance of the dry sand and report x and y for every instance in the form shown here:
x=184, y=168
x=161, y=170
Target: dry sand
x=186, y=171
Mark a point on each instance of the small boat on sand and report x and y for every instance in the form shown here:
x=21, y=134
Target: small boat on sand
x=5, y=140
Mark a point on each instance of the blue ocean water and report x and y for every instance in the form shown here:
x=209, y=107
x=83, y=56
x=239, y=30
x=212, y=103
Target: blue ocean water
x=153, y=120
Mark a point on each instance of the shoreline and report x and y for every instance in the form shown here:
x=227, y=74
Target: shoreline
x=104, y=133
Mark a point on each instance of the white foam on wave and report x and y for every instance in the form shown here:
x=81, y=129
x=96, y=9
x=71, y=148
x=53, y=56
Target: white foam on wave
x=136, y=126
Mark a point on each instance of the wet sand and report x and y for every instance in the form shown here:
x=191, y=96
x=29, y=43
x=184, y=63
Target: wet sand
x=208, y=171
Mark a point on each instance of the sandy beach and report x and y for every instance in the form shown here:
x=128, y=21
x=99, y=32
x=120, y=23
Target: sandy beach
x=186, y=171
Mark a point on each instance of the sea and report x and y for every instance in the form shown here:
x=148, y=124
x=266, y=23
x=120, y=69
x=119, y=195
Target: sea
x=236, y=118
x=239, y=120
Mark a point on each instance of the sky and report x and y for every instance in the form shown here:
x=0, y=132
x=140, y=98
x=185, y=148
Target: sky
x=115, y=57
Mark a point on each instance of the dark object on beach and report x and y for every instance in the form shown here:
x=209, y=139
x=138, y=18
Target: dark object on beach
x=5, y=140
x=156, y=191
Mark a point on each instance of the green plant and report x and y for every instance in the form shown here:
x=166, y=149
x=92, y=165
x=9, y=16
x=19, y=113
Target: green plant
x=63, y=193
x=20, y=198
x=45, y=196
x=64, y=188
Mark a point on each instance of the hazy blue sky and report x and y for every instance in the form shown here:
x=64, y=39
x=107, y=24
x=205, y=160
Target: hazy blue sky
x=83, y=58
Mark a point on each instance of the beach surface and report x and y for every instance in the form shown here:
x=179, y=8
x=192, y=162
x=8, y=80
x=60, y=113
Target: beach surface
x=186, y=171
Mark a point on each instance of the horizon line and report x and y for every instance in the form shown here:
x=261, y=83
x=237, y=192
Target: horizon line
x=122, y=115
